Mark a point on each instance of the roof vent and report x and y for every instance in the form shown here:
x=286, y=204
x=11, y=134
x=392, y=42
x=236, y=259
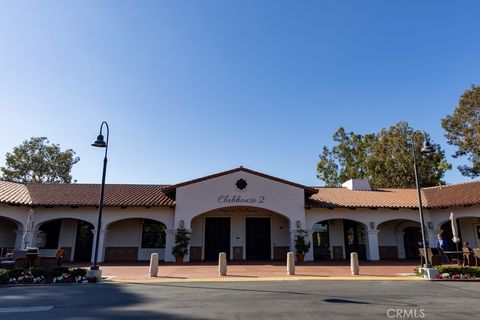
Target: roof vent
x=357, y=184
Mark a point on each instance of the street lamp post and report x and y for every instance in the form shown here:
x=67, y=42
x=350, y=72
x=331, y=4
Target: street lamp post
x=426, y=149
x=100, y=143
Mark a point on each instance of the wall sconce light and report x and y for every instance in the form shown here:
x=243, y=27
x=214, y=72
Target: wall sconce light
x=181, y=224
x=298, y=224
x=372, y=225
x=430, y=225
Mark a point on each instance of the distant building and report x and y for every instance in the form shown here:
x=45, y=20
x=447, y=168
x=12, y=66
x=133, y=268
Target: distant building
x=249, y=215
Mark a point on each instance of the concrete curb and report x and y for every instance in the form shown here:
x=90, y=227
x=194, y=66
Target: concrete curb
x=263, y=279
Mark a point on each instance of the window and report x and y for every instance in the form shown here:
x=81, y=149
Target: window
x=153, y=234
x=49, y=234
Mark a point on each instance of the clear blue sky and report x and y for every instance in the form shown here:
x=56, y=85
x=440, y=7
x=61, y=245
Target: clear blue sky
x=191, y=88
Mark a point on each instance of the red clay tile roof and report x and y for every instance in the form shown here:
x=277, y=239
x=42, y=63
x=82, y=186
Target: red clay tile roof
x=123, y=195
x=455, y=195
x=14, y=193
x=380, y=198
x=83, y=195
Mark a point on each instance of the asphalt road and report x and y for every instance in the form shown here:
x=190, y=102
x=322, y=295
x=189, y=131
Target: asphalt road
x=245, y=300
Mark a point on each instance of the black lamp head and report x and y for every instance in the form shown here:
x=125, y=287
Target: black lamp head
x=427, y=148
x=100, y=142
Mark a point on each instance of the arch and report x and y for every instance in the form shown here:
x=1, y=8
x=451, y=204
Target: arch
x=391, y=239
x=245, y=209
x=458, y=216
x=73, y=235
x=18, y=223
x=145, y=236
x=244, y=232
x=10, y=234
x=403, y=218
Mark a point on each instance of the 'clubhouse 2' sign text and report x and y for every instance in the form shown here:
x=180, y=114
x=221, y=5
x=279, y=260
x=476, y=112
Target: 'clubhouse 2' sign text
x=225, y=198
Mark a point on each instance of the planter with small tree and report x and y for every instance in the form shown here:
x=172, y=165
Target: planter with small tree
x=182, y=241
x=302, y=246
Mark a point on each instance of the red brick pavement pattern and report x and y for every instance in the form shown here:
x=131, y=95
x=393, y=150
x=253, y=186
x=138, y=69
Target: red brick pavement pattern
x=132, y=271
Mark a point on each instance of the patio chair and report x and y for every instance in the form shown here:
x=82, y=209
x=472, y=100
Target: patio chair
x=49, y=262
x=434, y=259
x=10, y=262
x=470, y=257
x=476, y=254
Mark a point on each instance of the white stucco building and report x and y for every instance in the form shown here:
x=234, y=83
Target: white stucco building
x=249, y=215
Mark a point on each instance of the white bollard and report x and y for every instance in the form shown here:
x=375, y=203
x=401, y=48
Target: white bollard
x=290, y=263
x=354, y=264
x=222, y=264
x=153, y=264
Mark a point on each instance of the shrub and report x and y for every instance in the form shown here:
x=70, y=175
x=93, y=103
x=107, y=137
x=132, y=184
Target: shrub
x=459, y=270
x=4, y=276
x=77, y=272
x=38, y=272
x=182, y=240
x=301, y=244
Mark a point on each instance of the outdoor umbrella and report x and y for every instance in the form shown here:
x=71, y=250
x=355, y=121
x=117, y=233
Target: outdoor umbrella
x=455, y=238
x=28, y=228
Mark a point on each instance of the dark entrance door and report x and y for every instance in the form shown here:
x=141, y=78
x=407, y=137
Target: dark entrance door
x=217, y=237
x=411, y=238
x=83, y=241
x=354, y=239
x=258, y=244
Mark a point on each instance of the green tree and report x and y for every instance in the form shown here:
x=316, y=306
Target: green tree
x=390, y=164
x=37, y=161
x=463, y=130
x=347, y=158
x=383, y=158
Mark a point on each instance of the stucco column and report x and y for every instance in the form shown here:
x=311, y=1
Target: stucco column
x=373, y=251
x=169, y=240
x=293, y=232
x=399, y=235
x=309, y=254
x=101, y=245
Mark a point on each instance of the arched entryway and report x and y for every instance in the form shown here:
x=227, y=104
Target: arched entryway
x=338, y=238
x=9, y=235
x=398, y=239
x=74, y=236
x=145, y=236
x=244, y=233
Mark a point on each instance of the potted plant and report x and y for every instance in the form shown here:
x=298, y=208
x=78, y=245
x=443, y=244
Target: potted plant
x=182, y=240
x=301, y=245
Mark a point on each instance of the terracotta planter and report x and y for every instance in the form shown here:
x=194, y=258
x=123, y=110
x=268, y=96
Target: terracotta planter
x=300, y=257
x=179, y=259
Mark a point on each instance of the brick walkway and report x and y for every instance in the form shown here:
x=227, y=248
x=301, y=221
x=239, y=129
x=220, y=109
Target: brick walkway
x=257, y=270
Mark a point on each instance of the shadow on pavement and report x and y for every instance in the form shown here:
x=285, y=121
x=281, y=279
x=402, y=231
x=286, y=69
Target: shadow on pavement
x=85, y=301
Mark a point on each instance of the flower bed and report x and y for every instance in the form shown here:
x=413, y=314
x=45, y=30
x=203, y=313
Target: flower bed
x=457, y=273
x=43, y=276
